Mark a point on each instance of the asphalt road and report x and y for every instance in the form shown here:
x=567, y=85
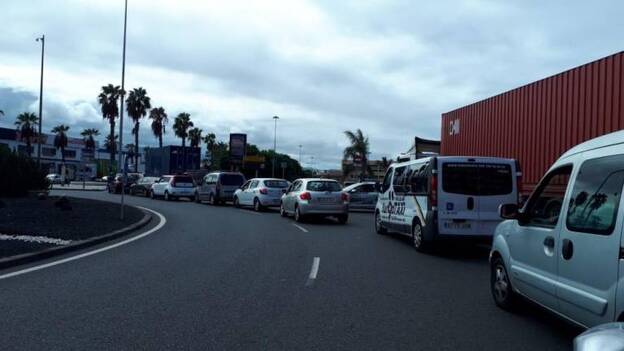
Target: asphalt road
x=219, y=278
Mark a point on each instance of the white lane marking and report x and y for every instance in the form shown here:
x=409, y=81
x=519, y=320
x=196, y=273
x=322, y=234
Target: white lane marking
x=300, y=228
x=35, y=239
x=163, y=221
x=252, y=212
x=315, y=267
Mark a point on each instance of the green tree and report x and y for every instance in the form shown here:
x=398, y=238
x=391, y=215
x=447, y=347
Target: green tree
x=195, y=137
x=159, y=120
x=358, y=151
x=181, y=125
x=60, y=139
x=131, y=153
x=111, y=144
x=110, y=111
x=26, y=123
x=137, y=105
x=89, y=135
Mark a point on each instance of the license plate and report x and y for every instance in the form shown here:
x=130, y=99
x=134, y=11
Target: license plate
x=327, y=200
x=457, y=225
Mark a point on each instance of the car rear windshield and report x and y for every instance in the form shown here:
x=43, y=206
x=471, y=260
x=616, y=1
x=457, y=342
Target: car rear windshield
x=183, y=181
x=477, y=179
x=232, y=179
x=323, y=186
x=276, y=184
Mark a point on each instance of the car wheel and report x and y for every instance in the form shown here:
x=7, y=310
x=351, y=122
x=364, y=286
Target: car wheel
x=503, y=294
x=257, y=205
x=282, y=210
x=197, y=200
x=379, y=228
x=151, y=194
x=418, y=240
x=167, y=198
x=343, y=219
x=236, y=203
x=298, y=215
x=211, y=199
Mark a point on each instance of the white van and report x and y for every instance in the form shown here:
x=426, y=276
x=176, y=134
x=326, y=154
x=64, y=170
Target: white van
x=446, y=197
x=564, y=248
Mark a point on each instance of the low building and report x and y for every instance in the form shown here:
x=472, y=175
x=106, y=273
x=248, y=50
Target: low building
x=376, y=171
x=170, y=160
x=79, y=162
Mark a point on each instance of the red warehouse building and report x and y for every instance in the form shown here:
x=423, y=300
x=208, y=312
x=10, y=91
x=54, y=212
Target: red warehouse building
x=538, y=122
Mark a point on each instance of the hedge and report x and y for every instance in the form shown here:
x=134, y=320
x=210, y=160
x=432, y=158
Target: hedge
x=19, y=174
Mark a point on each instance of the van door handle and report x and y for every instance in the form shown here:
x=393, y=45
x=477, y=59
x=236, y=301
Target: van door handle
x=567, y=249
x=470, y=203
x=549, y=242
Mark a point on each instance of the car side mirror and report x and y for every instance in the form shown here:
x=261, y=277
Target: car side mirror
x=508, y=211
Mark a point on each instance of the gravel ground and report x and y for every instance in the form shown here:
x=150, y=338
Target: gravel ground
x=88, y=218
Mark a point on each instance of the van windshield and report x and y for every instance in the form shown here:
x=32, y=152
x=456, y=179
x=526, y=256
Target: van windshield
x=232, y=179
x=477, y=179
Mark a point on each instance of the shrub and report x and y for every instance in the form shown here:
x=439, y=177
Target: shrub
x=19, y=174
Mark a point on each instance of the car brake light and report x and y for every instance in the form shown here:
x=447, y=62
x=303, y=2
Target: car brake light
x=305, y=196
x=433, y=193
x=264, y=191
x=344, y=197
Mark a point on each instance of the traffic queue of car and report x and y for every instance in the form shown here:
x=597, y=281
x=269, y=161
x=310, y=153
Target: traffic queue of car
x=563, y=249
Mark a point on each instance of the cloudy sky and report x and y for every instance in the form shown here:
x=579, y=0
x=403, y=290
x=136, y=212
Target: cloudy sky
x=388, y=67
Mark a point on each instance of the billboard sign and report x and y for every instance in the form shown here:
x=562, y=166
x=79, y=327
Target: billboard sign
x=238, y=146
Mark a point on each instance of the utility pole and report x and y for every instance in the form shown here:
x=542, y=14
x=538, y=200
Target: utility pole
x=121, y=112
x=42, y=39
x=275, y=118
x=300, y=146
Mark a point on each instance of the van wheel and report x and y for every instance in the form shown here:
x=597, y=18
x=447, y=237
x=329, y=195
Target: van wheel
x=503, y=294
x=167, y=197
x=343, y=219
x=236, y=203
x=211, y=200
x=257, y=205
x=418, y=240
x=379, y=228
x=282, y=210
x=151, y=195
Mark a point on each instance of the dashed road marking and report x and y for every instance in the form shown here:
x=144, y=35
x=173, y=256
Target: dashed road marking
x=163, y=221
x=314, y=271
x=300, y=228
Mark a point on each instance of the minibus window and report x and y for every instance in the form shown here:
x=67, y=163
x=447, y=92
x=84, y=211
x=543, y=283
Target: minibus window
x=477, y=179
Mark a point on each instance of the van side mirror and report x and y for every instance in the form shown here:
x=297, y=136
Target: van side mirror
x=508, y=211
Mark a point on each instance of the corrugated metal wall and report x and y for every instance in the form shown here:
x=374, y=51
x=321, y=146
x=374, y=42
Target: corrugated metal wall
x=538, y=122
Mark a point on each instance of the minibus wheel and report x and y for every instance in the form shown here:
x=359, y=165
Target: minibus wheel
x=379, y=228
x=418, y=239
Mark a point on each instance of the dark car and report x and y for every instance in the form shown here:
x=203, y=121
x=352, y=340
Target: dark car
x=143, y=186
x=116, y=185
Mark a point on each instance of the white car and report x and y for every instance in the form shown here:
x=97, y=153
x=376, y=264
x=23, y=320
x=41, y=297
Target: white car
x=171, y=187
x=563, y=248
x=54, y=178
x=446, y=197
x=260, y=193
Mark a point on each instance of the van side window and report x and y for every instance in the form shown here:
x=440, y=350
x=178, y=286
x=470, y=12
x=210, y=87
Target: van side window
x=386, y=182
x=398, y=182
x=419, y=179
x=596, y=195
x=544, y=206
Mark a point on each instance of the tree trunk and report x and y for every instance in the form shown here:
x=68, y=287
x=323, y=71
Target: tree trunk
x=160, y=140
x=112, y=146
x=136, y=147
x=184, y=154
x=28, y=148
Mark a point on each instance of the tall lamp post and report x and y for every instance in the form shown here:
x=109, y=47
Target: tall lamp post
x=121, y=111
x=42, y=40
x=275, y=118
x=300, y=146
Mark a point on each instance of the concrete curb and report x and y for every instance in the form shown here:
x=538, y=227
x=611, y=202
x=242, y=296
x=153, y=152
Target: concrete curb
x=69, y=189
x=30, y=257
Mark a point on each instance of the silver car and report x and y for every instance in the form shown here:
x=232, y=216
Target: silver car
x=362, y=196
x=260, y=193
x=218, y=187
x=315, y=197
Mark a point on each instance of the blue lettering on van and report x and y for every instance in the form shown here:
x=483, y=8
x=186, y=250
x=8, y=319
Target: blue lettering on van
x=393, y=208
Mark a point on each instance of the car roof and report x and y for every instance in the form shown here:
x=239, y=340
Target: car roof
x=263, y=179
x=317, y=179
x=610, y=139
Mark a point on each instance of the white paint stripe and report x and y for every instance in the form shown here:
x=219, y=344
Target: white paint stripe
x=300, y=228
x=252, y=212
x=35, y=239
x=163, y=221
x=315, y=267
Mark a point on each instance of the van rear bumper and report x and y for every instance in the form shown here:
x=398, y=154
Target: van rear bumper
x=432, y=233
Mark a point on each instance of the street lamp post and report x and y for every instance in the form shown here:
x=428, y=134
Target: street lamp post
x=275, y=118
x=121, y=112
x=42, y=39
x=300, y=146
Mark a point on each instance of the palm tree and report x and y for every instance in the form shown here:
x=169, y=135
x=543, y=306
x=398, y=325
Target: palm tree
x=181, y=126
x=159, y=119
x=138, y=103
x=111, y=146
x=60, y=139
x=195, y=137
x=110, y=110
x=1, y=113
x=89, y=140
x=26, y=123
x=131, y=153
x=210, y=139
x=358, y=150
